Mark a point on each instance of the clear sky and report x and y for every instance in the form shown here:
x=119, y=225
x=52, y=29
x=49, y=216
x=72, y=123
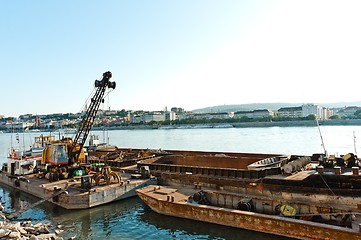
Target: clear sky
x=181, y=53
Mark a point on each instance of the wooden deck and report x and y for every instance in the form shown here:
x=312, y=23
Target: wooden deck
x=73, y=195
x=175, y=204
x=299, y=176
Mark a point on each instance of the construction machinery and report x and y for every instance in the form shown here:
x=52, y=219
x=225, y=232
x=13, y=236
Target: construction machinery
x=69, y=151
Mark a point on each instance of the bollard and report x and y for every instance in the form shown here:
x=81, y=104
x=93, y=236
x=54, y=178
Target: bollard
x=355, y=170
x=320, y=169
x=337, y=170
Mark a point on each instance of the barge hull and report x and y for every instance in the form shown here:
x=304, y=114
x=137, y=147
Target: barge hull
x=71, y=195
x=173, y=206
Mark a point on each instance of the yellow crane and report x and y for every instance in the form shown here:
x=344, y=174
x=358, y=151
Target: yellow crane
x=69, y=151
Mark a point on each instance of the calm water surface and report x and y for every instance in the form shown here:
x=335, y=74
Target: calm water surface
x=130, y=219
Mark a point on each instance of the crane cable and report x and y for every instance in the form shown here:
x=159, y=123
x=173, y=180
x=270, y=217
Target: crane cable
x=87, y=100
x=322, y=143
x=106, y=138
x=327, y=185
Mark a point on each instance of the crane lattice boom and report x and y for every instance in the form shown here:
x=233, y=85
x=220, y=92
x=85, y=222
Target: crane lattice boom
x=88, y=120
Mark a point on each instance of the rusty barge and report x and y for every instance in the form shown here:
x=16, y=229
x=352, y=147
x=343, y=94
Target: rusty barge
x=87, y=185
x=76, y=193
x=219, y=210
x=305, y=197
x=62, y=175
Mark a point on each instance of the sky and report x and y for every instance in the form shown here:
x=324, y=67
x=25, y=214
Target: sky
x=182, y=53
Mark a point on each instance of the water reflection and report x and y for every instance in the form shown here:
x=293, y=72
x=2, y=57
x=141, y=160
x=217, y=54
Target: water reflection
x=126, y=219
x=14, y=201
x=181, y=227
x=130, y=219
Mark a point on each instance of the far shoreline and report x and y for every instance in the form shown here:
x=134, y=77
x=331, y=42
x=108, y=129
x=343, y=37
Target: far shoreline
x=296, y=123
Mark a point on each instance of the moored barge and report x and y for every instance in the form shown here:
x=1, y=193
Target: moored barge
x=322, y=194
x=77, y=192
x=207, y=208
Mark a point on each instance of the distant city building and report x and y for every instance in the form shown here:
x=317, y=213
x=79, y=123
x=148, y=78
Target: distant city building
x=260, y=113
x=207, y=116
x=218, y=115
x=175, y=109
x=348, y=111
x=116, y=118
x=18, y=125
x=263, y=113
x=153, y=116
x=306, y=110
x=326, y=113
x=49, y=124
x=241, y=114
x=182, y=115
x=171, y=116
x=37, y=122
x=311, y=109
x=321, y=113
x=107, y=112
x=136, y=119
x=25, y=116
x=292, y=112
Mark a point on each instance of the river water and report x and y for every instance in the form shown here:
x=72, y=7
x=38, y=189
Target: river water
x=131, y=219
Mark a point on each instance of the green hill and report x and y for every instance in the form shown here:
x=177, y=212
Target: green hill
x=270, y=106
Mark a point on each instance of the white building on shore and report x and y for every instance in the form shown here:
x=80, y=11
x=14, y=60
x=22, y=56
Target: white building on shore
x=322, y=113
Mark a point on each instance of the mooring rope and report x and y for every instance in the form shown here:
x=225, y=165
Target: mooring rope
x=327, y=185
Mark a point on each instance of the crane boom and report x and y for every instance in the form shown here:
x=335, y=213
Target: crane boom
x=88, y=120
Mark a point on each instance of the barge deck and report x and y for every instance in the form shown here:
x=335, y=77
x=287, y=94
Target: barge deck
x=74, y=193
x=268, y=181
x=178, y=203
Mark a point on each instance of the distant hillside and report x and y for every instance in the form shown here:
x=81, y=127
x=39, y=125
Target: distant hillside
x=270, y=106
x=340, y=104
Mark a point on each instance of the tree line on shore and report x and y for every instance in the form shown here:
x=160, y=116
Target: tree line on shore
x=118, y=119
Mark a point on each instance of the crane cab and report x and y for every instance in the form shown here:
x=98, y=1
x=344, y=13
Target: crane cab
x=55, y=154
x=58, y=154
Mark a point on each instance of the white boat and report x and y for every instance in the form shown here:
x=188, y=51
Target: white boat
x=21, y=162
x=39, y=143
x=277, y=161
x=34, y=130
x=223, y=126
x=168, y=127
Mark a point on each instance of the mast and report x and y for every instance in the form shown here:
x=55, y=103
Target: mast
x=354, y=142
x=322, y=143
